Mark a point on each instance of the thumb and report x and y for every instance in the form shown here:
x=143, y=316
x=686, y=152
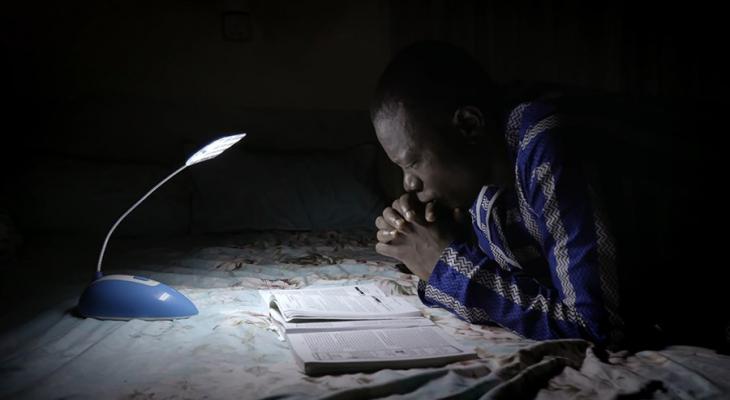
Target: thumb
x=431, y=212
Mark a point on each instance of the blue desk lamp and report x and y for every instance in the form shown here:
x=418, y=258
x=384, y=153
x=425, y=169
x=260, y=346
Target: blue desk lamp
x=125, y=297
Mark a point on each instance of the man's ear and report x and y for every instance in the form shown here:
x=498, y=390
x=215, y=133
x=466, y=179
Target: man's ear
x=469, y=122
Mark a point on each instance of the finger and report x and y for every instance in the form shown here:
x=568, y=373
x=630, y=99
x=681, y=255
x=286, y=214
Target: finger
x=431, y=211
x=387, y=250
x=396, y=206
x=394, y=218
x=381, y=224
x=407, y=206
x=385, y=236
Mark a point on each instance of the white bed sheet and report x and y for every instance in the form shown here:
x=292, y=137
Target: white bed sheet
x=228, y=351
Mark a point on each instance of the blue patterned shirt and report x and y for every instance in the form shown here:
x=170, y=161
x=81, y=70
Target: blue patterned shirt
x=543, y=264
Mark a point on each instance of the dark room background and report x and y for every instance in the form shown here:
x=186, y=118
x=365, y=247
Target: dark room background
x=104, y=98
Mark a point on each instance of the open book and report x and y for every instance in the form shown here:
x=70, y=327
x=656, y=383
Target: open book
x=357, y=329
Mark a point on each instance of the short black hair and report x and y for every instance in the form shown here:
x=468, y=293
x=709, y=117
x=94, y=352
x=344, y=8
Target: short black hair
x=432, y=77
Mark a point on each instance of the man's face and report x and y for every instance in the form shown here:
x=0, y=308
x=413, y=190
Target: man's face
x=432, y=169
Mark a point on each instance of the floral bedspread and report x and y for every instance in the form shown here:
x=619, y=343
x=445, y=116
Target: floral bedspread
x=228, y=350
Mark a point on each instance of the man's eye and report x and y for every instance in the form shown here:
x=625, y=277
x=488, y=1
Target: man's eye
x=412, y=165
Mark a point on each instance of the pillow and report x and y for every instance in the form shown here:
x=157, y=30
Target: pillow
x=259, y=190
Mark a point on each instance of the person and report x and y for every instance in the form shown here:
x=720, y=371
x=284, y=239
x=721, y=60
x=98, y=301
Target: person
x=499, y=223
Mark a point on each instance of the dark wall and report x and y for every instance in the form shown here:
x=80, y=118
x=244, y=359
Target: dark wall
x=324, y=54
x=133, y=82
x=167, y=69
x=125, y=90
x=635, y=48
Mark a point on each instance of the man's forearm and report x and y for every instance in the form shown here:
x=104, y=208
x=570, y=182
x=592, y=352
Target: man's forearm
x=476, y=289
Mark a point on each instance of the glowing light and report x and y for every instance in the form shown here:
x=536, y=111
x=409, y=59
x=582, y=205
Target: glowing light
x=214, y=149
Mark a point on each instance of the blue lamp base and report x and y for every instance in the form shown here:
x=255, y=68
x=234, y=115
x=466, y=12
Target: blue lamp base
x=125, y=297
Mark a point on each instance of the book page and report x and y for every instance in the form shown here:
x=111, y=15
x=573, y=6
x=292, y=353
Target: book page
x=329, y=326
x=357, y=290
x=268, y=295
x=374, y=345
x=349, y=302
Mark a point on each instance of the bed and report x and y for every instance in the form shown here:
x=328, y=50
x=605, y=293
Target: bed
x=228, y=350
x=286, y=202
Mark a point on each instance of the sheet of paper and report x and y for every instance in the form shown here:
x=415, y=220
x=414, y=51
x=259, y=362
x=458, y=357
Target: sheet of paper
x=366, y=289
x=374, y=345
x=328, y=326
x=351, y=302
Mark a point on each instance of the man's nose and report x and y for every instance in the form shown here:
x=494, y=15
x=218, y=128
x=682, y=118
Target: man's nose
x=412, y=183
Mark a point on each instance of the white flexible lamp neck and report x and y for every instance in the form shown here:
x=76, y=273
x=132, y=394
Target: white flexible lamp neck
x=208, y=152
x=108, y=235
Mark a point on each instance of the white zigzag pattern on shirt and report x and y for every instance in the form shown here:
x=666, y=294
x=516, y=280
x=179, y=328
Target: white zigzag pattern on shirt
x=471, y=314
x=513, y=125
x=544, y=124
x=609, y=280
x=513, y=139
x=527, y=212
x=484, y=228
x=507, y=290
x=544, y=177
x=505, y=245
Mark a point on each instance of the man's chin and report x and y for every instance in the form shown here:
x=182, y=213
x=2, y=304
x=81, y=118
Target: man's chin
x=450, y=204
x=447, y=203
x=463, y=205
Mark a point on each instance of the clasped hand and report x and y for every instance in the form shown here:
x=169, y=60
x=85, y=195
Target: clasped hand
x=416, y=234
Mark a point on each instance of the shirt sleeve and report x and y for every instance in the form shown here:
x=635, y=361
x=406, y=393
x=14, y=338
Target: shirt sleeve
x=472, y=286
x=581, y=301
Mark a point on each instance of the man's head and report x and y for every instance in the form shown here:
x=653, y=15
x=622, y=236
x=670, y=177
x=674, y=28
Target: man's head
x=432, y=114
